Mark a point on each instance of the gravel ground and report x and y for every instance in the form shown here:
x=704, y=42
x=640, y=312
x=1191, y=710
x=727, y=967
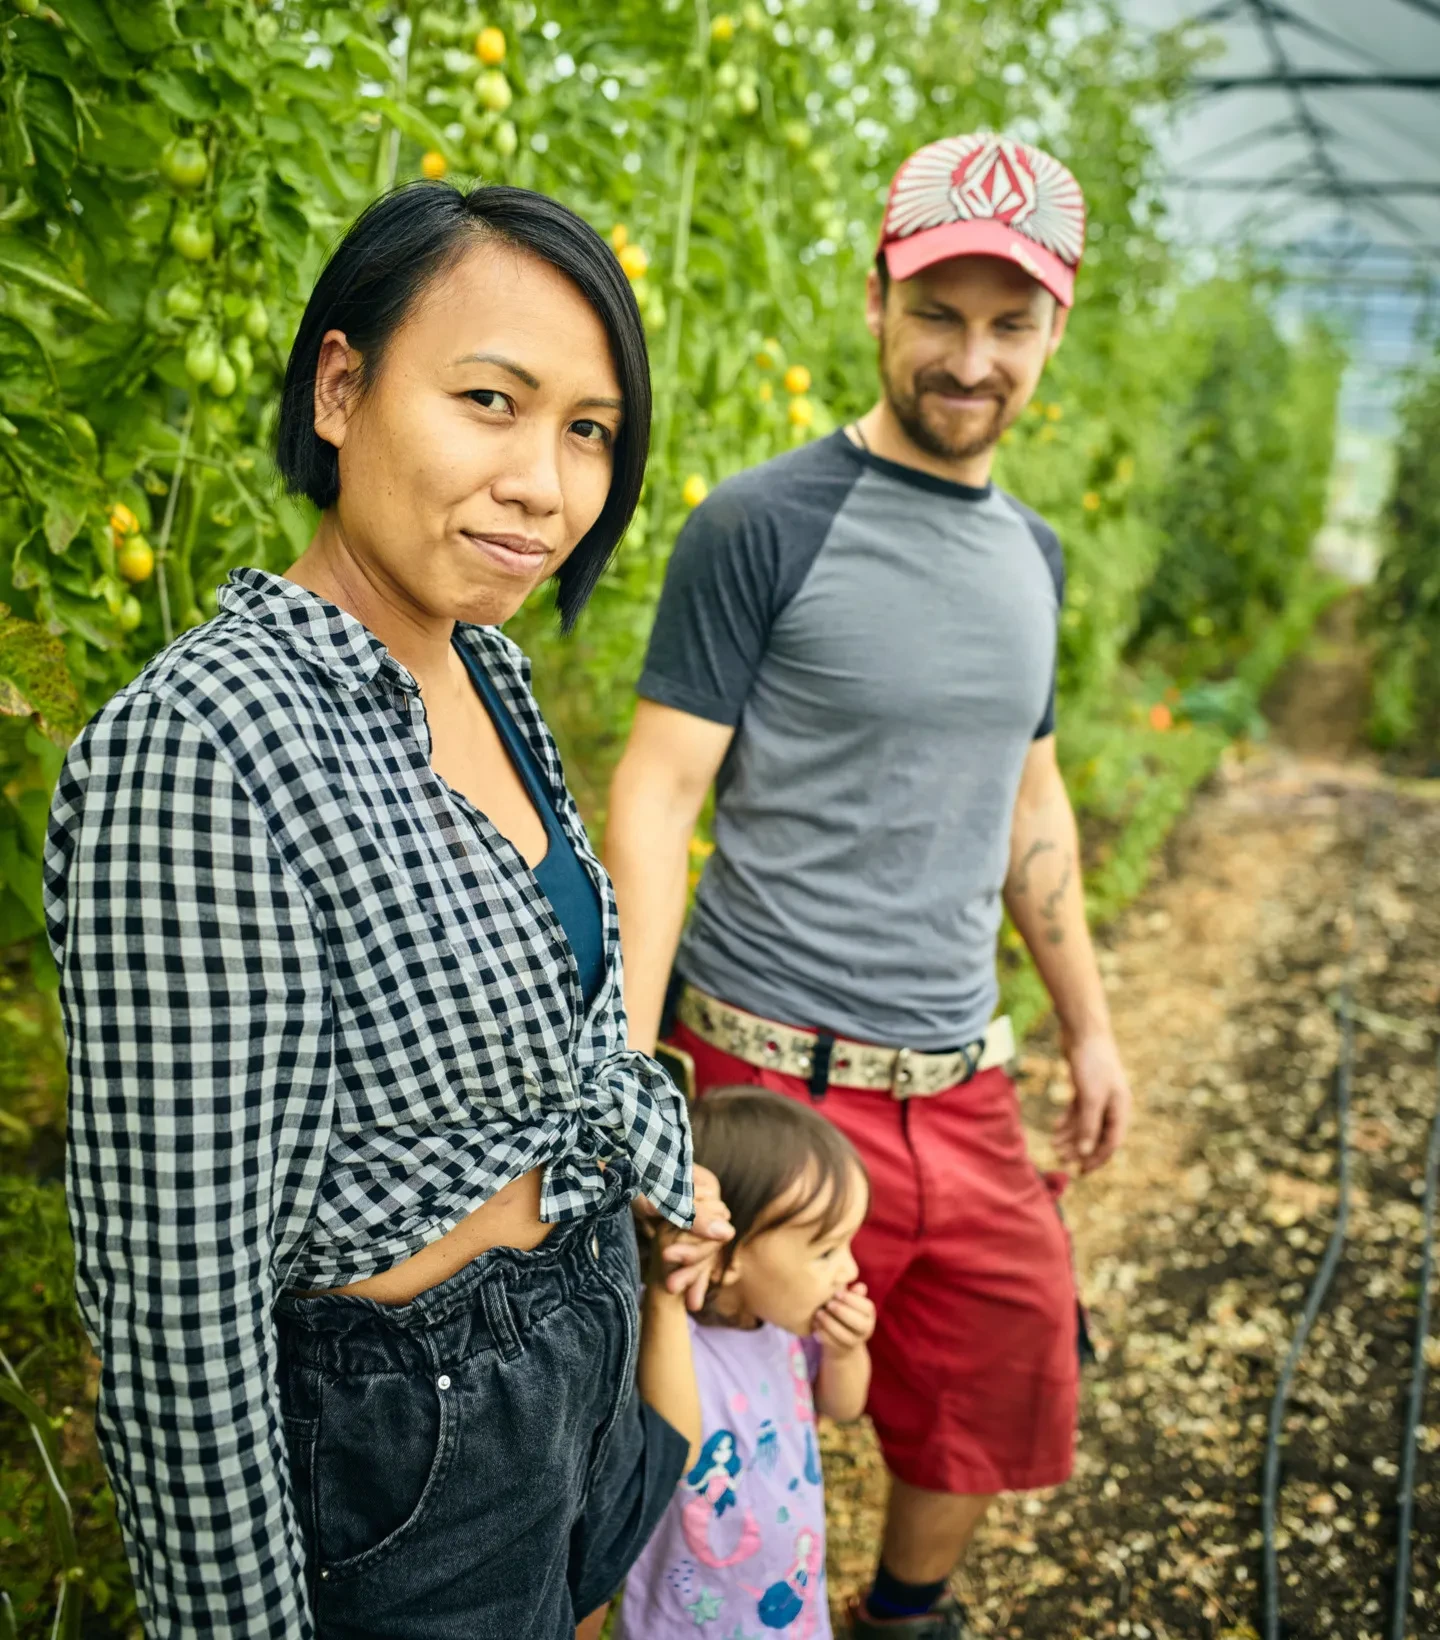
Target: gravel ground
x=1197, y=1247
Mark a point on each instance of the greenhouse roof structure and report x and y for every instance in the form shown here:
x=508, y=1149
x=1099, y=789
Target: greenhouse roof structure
x=1313, y=133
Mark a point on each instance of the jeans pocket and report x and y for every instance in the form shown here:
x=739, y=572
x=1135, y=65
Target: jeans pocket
x=380, y=1459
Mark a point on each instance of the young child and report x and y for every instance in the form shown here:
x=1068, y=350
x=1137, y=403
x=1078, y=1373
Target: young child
x=741, y=1550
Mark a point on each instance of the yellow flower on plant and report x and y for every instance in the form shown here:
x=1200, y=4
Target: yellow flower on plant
x=634, y=261
x=722, y=28
x=1090, y=501
x=802, y=412
x=1125, y=469
x=694, y=490
x=797, y=379
x=1053, y=412
x=619, y=237
x=701, y=848
x=766, y=392
x=490, y=46
x=433, y=165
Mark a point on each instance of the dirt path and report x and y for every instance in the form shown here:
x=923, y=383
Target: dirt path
x=1195, y=1250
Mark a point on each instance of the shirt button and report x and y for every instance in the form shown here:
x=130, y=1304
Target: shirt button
x=443, y=1381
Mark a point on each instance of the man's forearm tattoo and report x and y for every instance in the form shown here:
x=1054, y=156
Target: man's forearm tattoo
x=1050, y=905
x=1041, y=845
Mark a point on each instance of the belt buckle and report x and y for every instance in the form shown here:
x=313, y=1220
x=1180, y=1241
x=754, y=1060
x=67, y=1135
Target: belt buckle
x=901, y=1075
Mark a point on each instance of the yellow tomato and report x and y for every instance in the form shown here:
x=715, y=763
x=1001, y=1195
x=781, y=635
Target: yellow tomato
x=694, y=491
x=634, y=261
x=136, y=559
x=802, y=412
x=122, y=521
x=433, y=165
x=619, y=237
x=490, y=46
x=1090, y=501
x=797, y=379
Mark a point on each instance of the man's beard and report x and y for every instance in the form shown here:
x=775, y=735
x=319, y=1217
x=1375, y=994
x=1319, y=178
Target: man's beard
x=909, y=410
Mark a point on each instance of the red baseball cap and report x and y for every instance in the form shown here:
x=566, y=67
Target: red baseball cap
x=986, y=195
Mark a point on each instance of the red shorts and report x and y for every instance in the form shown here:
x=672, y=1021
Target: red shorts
x=976, y=1353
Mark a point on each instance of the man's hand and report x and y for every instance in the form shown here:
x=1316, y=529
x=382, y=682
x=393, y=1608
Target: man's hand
x=845, y=1322
x=692, y=1253
x=1092, y=1129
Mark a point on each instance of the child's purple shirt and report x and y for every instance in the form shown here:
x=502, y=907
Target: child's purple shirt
x=740, y=1553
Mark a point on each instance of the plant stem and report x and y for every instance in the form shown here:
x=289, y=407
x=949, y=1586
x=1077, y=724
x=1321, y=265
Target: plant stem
x=163, y=545
x=679, y=267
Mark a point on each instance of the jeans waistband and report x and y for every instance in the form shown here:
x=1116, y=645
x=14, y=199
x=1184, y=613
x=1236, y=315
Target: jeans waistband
x=492, y=1303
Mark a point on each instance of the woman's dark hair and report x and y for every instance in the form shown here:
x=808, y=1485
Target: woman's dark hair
x=760, y=1145
x=393, y=252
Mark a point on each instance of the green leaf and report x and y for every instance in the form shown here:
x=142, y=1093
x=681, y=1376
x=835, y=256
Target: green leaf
x=285, y=221
x=36, y=678
x=40, y=46
x=146, y=26
x=87, y=21
x=25, y=378
x=64, y=514
x=183, y=92
x=24, y=259
x=410, y=122
x=369, y=57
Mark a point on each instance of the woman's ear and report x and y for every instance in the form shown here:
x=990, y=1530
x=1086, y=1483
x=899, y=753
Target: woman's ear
x=337, y=375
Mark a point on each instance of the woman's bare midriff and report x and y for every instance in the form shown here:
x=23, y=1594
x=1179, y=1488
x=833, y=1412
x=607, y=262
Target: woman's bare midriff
x=511, y=1218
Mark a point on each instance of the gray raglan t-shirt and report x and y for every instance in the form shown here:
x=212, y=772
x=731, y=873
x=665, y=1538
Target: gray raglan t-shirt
x=884, y=643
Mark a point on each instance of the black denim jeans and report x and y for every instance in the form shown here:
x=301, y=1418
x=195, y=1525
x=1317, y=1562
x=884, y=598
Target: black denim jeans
x=477, y=1463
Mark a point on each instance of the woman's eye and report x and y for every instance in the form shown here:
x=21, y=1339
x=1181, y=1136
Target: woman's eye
x=593, y=432
x=490, y=398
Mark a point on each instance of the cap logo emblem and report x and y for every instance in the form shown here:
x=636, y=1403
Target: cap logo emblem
x=990, y=178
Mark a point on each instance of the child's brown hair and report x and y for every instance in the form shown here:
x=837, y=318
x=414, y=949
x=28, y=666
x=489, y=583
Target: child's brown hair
x=760, y=1145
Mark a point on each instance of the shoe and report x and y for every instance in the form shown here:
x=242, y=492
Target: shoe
x=944, y=1621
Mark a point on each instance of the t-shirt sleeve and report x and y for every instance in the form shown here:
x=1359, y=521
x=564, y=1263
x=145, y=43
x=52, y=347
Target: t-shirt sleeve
x=1050, y=550
x=722, y=593
x=741, y=557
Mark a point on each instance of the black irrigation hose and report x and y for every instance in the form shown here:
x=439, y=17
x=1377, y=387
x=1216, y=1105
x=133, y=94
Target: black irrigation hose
x=1319, y=1288
x=1270, y=1489
x=1399, y=1612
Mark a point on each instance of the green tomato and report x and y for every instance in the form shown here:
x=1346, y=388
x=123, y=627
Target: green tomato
x=493, y=90
x=130, y=613
x=797, y=134
x=224, y=381
x=202, y=357
x=194, y=238
x=747, y=99
x=26, y=8
x=246, y=265
x=507, y=139
x=184, y=301
x=242, y=359
x=184, y=164
x=256, y=320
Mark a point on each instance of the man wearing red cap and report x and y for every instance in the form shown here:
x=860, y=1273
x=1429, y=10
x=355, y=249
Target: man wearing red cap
x=856, y=645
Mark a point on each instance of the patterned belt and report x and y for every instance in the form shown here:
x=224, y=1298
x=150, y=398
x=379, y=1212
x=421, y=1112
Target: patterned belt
x=904, y=1073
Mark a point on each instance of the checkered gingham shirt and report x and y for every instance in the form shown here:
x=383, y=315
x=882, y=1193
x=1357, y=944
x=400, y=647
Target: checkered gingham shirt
x=318, y=1011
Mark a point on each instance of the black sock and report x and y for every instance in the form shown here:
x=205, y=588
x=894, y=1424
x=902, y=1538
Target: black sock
x=892, y=1598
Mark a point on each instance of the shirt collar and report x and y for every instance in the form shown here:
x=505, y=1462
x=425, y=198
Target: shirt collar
x=330, y=640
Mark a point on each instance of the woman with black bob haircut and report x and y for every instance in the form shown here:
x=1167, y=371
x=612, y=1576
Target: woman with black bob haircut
x=355, y=1131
